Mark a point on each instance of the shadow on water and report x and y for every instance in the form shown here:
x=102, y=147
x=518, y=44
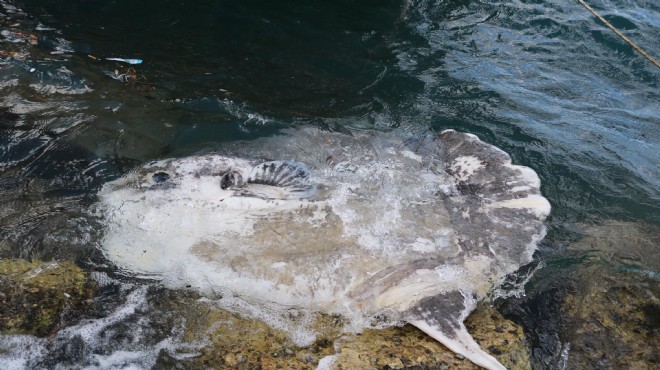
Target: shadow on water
x=295, y=58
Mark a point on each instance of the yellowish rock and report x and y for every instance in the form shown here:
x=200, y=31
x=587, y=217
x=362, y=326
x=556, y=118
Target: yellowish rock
x=235, y=342
x=611, y=314
x=407, y=346
x=241, y=343
x=614, y=322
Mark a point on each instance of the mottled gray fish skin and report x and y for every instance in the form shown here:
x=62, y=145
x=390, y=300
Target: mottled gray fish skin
x=492, y=183
x=464, y=218
x=442, y=315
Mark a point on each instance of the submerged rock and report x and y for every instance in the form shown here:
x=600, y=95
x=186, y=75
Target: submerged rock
x=235, y=342
x=40, y=297
x=614, y=323
x=633, y=246
x=612, y=314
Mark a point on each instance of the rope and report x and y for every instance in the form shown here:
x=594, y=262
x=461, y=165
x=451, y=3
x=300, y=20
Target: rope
x=634, y=46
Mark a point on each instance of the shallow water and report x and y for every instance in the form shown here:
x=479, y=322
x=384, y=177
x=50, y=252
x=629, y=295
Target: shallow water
x=544, y=81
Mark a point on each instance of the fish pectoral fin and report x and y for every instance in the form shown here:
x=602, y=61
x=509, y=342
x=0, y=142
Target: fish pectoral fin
x=442, y=317
x=291, y=179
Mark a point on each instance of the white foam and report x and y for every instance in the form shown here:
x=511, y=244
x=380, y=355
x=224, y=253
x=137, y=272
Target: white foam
x=96, y=341
x=89, y=330
x=18, y=351
x=125, y=360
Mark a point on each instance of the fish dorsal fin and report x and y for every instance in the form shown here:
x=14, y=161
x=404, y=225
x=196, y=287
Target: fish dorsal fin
x=280, y=180
x=442, y=316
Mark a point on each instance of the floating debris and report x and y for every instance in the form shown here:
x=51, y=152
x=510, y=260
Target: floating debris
x=129, y=61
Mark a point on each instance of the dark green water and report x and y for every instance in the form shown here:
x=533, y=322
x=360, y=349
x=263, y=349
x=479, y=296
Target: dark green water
x=544, y=81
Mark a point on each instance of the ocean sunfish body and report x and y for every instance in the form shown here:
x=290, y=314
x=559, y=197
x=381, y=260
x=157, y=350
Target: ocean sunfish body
x=357, y=225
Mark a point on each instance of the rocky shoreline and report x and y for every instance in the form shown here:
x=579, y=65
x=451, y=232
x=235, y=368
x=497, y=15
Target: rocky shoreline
x=609, y=317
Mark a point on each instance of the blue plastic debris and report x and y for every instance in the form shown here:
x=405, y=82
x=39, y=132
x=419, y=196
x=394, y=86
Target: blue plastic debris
x=129, y=61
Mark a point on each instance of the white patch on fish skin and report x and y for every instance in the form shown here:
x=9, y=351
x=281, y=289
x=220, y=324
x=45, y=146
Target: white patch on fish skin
x=517, y=189
x=533, y=202
x=465, y=166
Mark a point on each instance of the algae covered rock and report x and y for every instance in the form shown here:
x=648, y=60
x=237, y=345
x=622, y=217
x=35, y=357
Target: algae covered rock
x=242, y=343
x=631, y=245
x=39, y=297
x=614, y=324
x=408, y=347
x=235, y=342
x=612, y=314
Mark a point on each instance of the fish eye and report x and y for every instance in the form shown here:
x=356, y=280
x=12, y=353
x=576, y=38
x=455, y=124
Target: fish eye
x=231, y=179
x=227, y=181
x=159, y=177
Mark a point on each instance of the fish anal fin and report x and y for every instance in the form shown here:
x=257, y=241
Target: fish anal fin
x=441, y=317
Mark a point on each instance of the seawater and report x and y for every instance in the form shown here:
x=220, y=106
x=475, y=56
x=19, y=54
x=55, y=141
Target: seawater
x=543, y=80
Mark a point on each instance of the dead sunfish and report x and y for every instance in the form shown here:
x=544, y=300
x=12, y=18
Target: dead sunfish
x=360, y=225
